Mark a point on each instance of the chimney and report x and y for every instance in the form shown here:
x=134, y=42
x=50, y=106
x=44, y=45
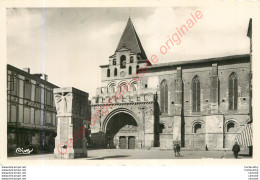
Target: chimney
x=27, y=70
x=45, y=77
x=38, y=75
x=41, y=76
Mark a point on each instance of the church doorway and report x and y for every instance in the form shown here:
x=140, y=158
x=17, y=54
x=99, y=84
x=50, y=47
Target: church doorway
x=131, y=142
x=122, y=142
x=121, y=131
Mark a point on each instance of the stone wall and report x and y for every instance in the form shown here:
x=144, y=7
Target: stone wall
x=141, y=108
x=72, y=113
x=177, y=124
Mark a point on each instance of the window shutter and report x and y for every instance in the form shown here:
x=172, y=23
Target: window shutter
x=37, y=116
x=27, y=90
x=14, y=86
x=27, y=114
x=38, y=94
x=13, y=116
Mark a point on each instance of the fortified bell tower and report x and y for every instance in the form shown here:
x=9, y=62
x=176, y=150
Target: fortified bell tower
x=129, y=53
x=123, y=108
x=128, y=57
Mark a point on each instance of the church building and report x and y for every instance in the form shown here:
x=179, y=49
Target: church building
x=195, y=103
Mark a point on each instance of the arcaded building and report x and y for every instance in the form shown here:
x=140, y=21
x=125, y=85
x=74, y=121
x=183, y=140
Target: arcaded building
x=195, y=103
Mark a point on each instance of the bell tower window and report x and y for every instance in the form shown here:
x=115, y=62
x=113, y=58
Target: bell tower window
x=114, y=61
x=108, y=72
x=130, y=70
x=137, y=67
x=115, y=72
x=122, y=62
x=131, y=59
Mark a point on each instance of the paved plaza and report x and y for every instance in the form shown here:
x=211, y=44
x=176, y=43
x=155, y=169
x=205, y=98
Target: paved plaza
x=109, y=154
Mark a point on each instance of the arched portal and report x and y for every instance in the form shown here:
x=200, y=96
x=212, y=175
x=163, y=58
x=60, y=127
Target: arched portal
x=121, y=130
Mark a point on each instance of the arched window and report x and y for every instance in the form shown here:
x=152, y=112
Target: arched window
x=197, y=128
x=137, y=67
x=231, y=127
x=112, y=88
x=164, y=96
x=232, y=91
x=115, y=72
x=122, y=61
x=108, y=72
x=134, y=86
x=130, y=70
x=124, y=86
x=131, y=59
x=196, y=94
x=114, y=61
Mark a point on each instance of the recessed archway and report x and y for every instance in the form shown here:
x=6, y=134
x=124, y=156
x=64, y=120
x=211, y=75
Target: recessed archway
x=117, y=111
x=120, y=123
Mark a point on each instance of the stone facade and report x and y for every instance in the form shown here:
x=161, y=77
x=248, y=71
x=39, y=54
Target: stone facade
x=72, y=113
x=195, y=103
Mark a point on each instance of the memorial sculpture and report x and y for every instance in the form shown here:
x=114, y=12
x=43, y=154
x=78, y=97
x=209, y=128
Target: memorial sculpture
x=72, y=114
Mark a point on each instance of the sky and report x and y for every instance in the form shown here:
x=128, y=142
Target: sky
x=69, y=44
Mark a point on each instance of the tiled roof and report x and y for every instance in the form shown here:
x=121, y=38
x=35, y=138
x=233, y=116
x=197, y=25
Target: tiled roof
x=199, y=61
x=130, y=40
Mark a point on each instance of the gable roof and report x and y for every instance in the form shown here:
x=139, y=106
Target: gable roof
x=130, y=40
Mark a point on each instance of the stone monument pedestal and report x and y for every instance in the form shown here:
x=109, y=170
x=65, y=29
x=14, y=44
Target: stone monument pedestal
x=72, y=114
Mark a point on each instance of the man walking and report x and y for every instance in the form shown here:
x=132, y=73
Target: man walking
x=175, y=149
x=178, y=149
x=236, y=149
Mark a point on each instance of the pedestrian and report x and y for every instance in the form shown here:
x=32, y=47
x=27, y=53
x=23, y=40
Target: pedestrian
x=178, y=149
x=175, y=149
x=206, y=148
x=236, y=149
